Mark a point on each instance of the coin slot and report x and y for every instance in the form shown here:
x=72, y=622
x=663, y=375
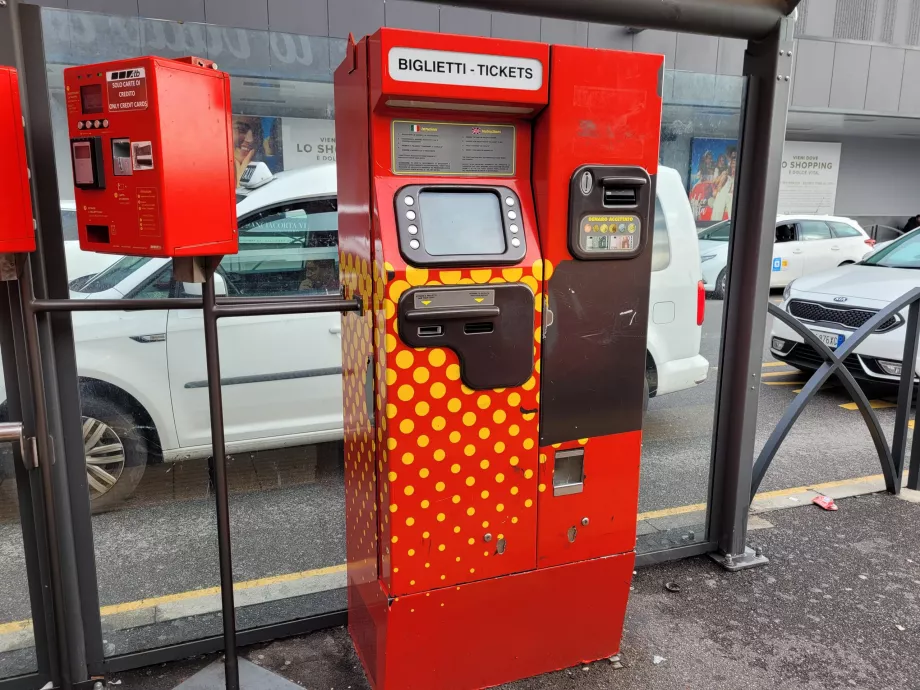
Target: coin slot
x=430, y=331
x=478, y=327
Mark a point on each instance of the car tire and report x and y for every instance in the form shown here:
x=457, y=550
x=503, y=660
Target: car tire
x=116, y=453
x=646, y=396
x=721, y=285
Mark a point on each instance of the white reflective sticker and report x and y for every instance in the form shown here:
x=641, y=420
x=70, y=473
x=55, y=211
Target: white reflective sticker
x=465, y=69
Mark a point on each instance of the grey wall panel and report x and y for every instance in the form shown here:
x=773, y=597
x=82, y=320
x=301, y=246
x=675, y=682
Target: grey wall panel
x=307, y=17
x=174, y=10
x=850, y=76
x=563, y=31
x=731, y=56
x=517, y=26
x=123, y=7
x=405, y=14
x=883, y=91
x=360, y=17
x=245, y=15
x=659, y=43
x=902, y=24
x=814, y=63
x=609, y=36
x=460, y=20
x=910, y=84
x=878, y=177
x=56, y=4
x=697, y=53
x=820, y=20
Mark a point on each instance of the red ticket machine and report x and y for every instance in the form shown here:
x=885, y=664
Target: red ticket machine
x=152, y=152
x=17, y=231
x=495, y=215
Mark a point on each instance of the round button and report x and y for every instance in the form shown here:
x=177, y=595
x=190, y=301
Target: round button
x=509, y=200
x=513, y=227
x=414, y=244
x=512, y=215
x=515, y=242
x=96, y=124
x=88, y=124
x=413, y=229
x=410, y=215
x=80, y=124
x=408, y=201
x=105, y=123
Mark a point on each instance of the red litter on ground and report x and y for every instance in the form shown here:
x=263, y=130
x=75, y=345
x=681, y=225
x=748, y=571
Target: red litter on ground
x=825, y=502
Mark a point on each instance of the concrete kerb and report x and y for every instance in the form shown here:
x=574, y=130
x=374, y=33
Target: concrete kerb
x=19, y=635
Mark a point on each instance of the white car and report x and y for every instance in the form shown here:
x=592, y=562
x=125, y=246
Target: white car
x=836, y=303
x=143, y=377
x=803, y=245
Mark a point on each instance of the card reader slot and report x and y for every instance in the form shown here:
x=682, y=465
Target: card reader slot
x=430, y=331
x=460, y=313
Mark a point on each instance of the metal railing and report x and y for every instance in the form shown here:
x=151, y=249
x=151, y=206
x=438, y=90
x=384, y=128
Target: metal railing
x=890, y=457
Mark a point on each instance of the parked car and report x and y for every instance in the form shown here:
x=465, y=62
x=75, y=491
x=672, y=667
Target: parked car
x=803, y=245
x=143, y=377
x=834, y=304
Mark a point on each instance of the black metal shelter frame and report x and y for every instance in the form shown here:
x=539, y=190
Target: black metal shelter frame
x=39, y=361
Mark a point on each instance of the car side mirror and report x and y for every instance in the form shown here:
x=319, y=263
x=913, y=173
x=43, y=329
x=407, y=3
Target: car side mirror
x=194, y=289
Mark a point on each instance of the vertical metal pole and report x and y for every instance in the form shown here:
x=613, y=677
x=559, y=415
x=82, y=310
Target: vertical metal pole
x=905, y=392
x=46, y=462
x=768, y=68
x=21, y=44
x=221, y=492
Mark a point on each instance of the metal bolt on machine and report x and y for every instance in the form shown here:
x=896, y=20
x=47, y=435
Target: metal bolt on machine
x=495, y=214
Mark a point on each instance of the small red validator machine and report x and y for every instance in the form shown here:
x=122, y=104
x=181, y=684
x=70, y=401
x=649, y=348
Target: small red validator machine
x=495, y=216
x=17, y=229
x=152, y=153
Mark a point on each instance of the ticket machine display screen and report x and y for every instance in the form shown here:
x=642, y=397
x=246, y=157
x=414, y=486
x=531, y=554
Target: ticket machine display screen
x=91, y=99
x=462, y=223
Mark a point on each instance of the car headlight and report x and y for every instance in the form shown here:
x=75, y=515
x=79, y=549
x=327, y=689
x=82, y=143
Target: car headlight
x=787, y=291
x=706, y=257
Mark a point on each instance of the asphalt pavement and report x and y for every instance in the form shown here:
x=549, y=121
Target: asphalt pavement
x=837, y=607
x=288, y=522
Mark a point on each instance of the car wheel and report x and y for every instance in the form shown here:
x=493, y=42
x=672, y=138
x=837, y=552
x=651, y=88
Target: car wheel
x=116, y=453
x=646, y=396
x=721, y=285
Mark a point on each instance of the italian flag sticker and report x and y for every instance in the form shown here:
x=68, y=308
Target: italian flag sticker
x=415, y=128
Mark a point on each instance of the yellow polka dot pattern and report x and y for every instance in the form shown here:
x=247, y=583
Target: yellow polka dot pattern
x=449, y=485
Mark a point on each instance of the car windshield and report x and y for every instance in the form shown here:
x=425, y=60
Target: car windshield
x=902, y=253
x=113, y=275
x=719, y=232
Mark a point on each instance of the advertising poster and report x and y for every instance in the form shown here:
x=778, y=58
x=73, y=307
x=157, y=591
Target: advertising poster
x=257, y=139
x=307, y=143
x=808, y=179
x=713, y=164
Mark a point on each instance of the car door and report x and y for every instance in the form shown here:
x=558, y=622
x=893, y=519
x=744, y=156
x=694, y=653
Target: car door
x=787, y=255
x=281, y=375
x=853, y=245
x=820, y=251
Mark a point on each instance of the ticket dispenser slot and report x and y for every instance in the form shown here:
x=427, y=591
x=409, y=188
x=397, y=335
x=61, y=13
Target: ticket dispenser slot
x=490, y=329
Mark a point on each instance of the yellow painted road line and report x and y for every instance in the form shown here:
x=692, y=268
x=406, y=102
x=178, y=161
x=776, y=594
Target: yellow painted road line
x=768, y=374
x=783, y=383
x=17, y=626
x=874, y=404
x=775, y=364
x=191, y=594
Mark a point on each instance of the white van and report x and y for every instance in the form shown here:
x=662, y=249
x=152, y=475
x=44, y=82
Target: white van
x=143, y=377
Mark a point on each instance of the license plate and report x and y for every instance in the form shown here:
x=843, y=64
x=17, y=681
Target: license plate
x=832, y=340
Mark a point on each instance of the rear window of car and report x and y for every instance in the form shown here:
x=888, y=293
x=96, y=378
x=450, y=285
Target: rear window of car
x=843, y=230
x=661, y=242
